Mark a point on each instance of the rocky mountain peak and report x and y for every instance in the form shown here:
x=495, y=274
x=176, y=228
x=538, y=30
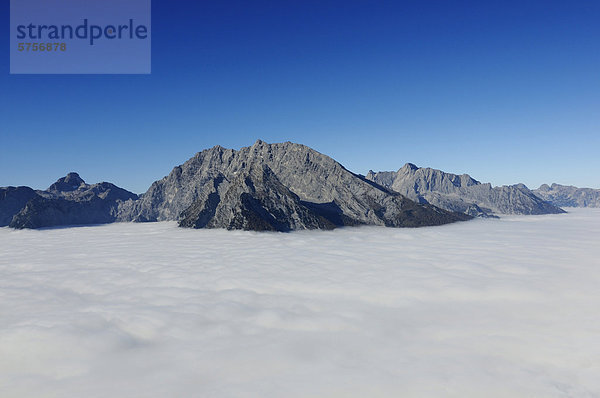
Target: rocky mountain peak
x=207, y=191
x=544, y=187
x=70, y=182
x=410, y=167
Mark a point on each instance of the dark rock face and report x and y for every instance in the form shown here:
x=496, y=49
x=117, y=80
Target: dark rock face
x=42, y=212
x=12, y=200
x=70, y=201
x=290, y=181
x=461, y=193
x=569, y=196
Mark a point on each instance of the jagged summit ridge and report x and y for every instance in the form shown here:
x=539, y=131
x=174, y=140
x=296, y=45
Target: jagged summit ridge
x=462, y=193
x=570, y=196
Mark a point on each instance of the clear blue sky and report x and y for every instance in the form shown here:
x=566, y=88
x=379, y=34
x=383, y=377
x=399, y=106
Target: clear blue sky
x=507, y=91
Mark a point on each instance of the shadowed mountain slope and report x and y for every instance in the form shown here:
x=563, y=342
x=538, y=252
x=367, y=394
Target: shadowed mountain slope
x=70, y=201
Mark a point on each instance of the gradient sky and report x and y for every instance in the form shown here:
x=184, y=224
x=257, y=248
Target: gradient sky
x=508, y=92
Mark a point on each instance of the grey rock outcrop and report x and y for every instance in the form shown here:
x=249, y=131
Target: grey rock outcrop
x=461, y=193
x=70, y=201
x=213, y=189
x=12, y=200
x=569, y=196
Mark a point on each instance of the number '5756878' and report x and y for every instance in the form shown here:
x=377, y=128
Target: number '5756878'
x=42, y=47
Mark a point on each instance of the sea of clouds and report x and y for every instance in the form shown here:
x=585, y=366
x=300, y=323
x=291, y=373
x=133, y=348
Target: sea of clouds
x=506, y=308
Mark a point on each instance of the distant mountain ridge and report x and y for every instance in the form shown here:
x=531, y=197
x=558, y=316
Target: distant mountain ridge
x=272, y=187
x=462, y=193
x=69, y=201
x=569, y=196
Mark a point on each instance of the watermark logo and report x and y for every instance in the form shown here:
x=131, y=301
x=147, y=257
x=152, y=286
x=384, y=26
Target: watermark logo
x=80, y=36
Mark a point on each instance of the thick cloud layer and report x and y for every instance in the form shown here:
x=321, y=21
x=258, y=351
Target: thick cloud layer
x=489, y=308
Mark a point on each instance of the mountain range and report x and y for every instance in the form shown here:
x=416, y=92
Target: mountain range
x=462, y=193
x=224, y=188
x=569, y=196
x=69, y=201
x=271, y=187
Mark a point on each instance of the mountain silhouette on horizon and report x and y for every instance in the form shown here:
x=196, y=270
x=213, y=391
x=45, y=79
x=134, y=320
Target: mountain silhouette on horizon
x=271, y=187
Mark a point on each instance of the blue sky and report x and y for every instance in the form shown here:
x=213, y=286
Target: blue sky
x=507, y=92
